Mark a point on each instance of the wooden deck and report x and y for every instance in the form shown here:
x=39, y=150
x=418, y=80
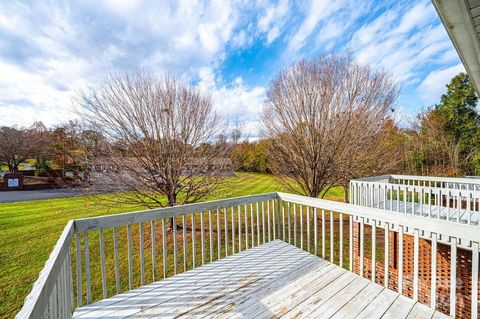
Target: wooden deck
x=450, y=214
x=268, y=281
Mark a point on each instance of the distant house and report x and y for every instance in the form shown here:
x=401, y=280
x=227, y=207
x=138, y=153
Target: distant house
x=219, y=165
x=103, y=165
x=197, y=165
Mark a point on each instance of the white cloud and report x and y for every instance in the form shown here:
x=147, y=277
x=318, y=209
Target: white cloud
x=240, y=39
x=433, y=86
x=417, y=16
x=50, y=50
x=316, y=12
x=71, y=46
x=403, y=48
x=449, y=56
x=372, y=30
x=273, y=19
x=337, y=26
x=121, y=6
x=331, y=30
x=43, y=102
x=207, y=79
x=243, y=103
x=235, y=101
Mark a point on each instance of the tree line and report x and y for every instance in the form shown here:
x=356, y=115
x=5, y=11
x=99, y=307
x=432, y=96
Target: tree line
x=324, y=122
x=58, y=147
x=443, y=140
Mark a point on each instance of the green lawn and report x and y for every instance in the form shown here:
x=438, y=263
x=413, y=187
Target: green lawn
x=4, y=167
x=29, y=230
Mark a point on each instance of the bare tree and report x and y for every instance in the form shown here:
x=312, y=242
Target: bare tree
x=15, y=147
x=318, y=114
x=41, y=142
x=66, y=145
x=160, y=135
x=236, y=132
x=438, y=149
x=93, y=145
x=383, y=154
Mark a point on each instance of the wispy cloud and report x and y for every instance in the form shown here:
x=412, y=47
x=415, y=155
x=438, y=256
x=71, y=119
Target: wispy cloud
x=236, y=100
x=433, y=86
x=49, y=50
x=273, y=19
x=316, y=11
x=69, y=47
x=403, y=40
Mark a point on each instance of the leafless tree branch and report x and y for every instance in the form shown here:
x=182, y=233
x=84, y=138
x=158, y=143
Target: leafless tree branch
x=318, y=117
x=159, y=139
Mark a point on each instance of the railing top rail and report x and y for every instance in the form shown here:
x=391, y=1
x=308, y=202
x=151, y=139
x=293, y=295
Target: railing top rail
x=433, y=190
x=37, y=299
x=466, y=232
x=380, y=178
x=461, y=180
x=93, y=223
x=389, y=178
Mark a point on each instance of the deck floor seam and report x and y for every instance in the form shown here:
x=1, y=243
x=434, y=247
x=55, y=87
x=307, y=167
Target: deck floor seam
x=274, y=279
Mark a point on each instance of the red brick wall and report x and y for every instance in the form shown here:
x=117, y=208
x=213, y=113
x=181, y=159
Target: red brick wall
x=464, y=268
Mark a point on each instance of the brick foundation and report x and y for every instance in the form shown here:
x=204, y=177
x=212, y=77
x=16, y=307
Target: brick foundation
x=464, y=266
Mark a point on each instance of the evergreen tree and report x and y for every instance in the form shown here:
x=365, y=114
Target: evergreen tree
x=459, y=107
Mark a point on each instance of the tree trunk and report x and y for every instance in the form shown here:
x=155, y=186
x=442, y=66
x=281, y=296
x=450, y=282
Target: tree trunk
x=12, y=166
x=172, y=199
x=345, y=192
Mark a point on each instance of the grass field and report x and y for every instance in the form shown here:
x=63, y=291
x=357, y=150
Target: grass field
x=29, y=230
x=28, y=162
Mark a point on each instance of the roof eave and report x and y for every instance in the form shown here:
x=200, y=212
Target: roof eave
x=457, y=20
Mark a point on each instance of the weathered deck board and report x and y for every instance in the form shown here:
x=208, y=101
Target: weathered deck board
x=377, y=307
x=360, y=301
x=171, y=283
x=171, y=290
x=269, y=281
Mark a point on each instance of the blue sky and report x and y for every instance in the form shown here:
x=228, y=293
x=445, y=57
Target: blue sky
x=49, y=50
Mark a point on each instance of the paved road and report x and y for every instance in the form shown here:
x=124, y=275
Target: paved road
x=20, y=196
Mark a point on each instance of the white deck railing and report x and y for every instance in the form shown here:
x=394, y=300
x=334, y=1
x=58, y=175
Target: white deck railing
x=116, y=253
x=463, y=183
x=450, y=199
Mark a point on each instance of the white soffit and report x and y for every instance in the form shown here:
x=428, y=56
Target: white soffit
x=461, y=18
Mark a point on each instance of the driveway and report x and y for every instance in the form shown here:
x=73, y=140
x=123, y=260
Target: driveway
x=20, y=196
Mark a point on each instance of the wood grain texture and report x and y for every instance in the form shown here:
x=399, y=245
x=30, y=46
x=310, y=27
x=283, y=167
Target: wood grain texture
x=273, y=280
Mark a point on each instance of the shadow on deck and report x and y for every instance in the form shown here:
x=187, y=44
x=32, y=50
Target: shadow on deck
x=268, y=281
